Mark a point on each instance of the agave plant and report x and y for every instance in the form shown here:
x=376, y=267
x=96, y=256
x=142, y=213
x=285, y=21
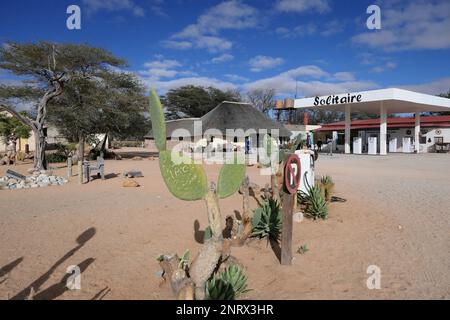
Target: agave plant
x=267, y=221
x=326, y=185
x=316, y=205
x=217, y=289
x=236, y=277
x=229, y=285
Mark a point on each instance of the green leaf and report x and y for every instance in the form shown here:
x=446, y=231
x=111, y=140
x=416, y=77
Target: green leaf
x=158, y=121
x=185, y=181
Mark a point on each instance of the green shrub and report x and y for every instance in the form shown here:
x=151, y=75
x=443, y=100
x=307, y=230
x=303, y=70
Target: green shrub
x=267, y=221
x=56, y=157
x=316, y=205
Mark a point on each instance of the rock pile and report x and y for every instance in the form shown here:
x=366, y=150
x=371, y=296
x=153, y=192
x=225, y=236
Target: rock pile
x=38, y=179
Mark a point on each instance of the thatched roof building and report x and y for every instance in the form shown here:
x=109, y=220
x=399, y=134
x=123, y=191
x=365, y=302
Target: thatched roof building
x=228, y=115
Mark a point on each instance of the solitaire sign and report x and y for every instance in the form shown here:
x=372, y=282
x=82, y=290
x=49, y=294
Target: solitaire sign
x=292, y=170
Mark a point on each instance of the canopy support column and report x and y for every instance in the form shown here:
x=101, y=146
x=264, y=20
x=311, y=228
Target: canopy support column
x=347, y=129
x=383, y=129
x=417, y=133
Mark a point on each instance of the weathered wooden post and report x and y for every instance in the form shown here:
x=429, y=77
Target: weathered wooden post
x=80, y=160
x=291, y=184
x=69, y=167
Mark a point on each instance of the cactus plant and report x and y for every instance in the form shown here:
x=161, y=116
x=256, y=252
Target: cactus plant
x=185, y=181
x=267, y=220
x=230, y=178
x=158, y=121
x=188, y=181
x=326, y=185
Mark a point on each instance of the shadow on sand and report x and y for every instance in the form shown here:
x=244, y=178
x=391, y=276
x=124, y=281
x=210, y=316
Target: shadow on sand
x=36, y=284
x=7, y=268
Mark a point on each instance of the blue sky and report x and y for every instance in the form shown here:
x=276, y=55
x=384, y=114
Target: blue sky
x=324, y=45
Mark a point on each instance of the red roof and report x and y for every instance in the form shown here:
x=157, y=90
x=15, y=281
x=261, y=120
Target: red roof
x=432, y=121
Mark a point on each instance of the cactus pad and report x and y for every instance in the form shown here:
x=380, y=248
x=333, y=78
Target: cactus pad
x=230, y=178
x=184, y=181
x=158, y=121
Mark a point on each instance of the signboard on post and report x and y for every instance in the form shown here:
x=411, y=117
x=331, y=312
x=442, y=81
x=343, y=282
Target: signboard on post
x=292, y=170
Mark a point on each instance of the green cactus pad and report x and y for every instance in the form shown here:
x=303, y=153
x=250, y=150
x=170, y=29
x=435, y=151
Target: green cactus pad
x=158, y=121
x=230, y=179
x=184, y=181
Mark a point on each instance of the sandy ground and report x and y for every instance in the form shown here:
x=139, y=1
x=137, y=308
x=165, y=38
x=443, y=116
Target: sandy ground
x=395, y=215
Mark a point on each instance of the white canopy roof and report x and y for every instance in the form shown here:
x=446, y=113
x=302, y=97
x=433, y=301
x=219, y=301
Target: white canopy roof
x=394, y=101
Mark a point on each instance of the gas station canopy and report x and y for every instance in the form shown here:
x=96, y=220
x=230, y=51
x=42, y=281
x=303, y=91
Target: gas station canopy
x=394, y=101
x=380, y=102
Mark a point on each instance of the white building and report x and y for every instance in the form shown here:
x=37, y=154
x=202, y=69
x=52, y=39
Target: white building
x=382, y=102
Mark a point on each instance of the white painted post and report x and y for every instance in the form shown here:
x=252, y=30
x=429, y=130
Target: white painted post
x=383, y=129
x=417, y=133
x=347, y=128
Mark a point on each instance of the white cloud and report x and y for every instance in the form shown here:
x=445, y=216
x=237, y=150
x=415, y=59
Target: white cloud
x=204, y=34
x=287, y=82
x=321, y=6
x=235, y=77
x=409, y=26
x=260, y=63
x=160, y=73
x=328, y=29
x=344, y=76
x=161, y=68
x=93, y=6
x=389, y=65
x=435, y=87
x=162, y=64
x=222, y=58
x=178, y=45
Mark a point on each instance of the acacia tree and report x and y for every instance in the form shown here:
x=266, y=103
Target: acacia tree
x=195, y=101
x=112, y=103
x=49, y=66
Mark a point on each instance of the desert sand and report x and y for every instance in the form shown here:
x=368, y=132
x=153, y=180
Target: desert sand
x=393, y=213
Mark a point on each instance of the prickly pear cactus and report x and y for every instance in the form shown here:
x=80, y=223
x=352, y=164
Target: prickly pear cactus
x=184, y=181
x=158, y=121
x=230, y=178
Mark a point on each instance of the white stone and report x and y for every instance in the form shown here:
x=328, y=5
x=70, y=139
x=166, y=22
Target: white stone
x=298, y=217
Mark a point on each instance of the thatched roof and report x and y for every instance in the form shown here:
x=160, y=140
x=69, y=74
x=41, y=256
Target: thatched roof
x=228, y=115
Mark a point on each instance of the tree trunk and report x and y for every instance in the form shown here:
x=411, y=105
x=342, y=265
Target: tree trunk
x=80, y=160
x=39, y=158
x=206, y=261
x=38, y=125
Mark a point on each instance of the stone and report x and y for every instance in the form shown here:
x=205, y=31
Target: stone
x=298, y=217
x=133, y=174
x=136, y=158
x=130, y=183
x=34, y=185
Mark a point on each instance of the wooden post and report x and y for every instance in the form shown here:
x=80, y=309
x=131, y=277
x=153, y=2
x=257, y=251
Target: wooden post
x=286, y=235
x=80, y=160
x=69, y=167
